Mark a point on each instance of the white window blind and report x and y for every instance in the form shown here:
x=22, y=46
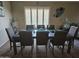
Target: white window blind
x=27, y=16
x=34, y=16
x=40, y=16
x=37, y=16
x=46, y=16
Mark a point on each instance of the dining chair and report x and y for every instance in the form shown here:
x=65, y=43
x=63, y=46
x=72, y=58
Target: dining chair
x=50, y=27
x=58, y=40
x=13, y=25
x=26, y=40
x=40, y=27
x=12, y=36
x=29, y=27
x=72, y=34
x=42, y=39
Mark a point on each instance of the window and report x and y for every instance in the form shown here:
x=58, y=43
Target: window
x=28, y=18
x=40, y=16
x=46, y=17
x=34, y=16
x=37, y=16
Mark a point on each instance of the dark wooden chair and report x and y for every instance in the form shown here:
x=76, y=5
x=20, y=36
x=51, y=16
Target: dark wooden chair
x=14, y=38
x=72, y=34
x=42, y=39
x=59, y=40
x=26, y=39
x=50, y=27
x=29, y=27
x=40, y=27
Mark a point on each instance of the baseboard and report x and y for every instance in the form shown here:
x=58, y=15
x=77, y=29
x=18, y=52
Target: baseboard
x=3, y=43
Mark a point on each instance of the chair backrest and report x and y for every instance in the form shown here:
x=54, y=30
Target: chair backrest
x=40, y=27
x=72, y=31
x=50, y=27
x=26, y=38
x=59, y=38
x=73, y=24
x=13, y=25
x=10, y=33
x=42, y=38
x=29, y=27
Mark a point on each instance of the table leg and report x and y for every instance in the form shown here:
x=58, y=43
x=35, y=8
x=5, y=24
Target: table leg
x=14, y=47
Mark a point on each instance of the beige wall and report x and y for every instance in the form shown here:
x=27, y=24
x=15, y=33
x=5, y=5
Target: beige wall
x=4, y=23
x=71, y=12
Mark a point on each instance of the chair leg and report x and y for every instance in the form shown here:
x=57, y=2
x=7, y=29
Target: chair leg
x=14, y=47
x=46, y=50
x=32, y=49
x=23, y=47
x=72, y=43
x=49, y=43
x=69, y=47
x=21, y=51
x=53, y=50
x=36, y=49
x=10, y=45
x=62, y=49
x=58, y=46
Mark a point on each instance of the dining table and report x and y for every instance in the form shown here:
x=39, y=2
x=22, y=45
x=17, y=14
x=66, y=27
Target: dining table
x=50, y=33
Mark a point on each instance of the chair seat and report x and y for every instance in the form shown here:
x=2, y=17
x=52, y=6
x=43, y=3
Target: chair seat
x=16, y=38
